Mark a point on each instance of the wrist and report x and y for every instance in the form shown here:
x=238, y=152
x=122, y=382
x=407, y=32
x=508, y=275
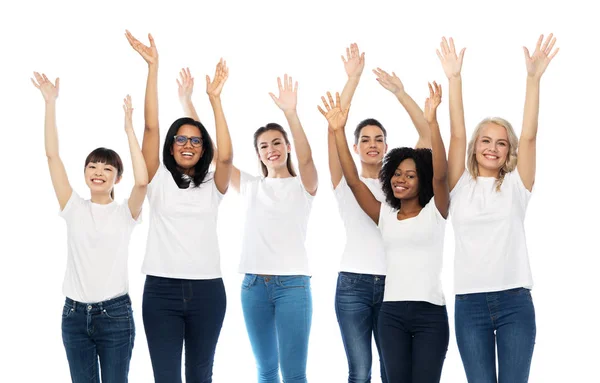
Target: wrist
x=401, y=93
x=50, y=102
x=290, y=112
x=533, y=78
x=454, y=76
x=214, y=98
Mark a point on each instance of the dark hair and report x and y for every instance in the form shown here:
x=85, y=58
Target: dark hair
x=424, y=164
x=109, y=157
x=202, y=166
x=279, y=128
x=363, y=123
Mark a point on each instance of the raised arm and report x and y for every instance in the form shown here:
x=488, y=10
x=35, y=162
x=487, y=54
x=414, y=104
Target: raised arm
x=287, y=101
x=224, y=156
x=394, y=85
x=151, y=140
x=354, y=63
x=452, y=64
x=58, y=174
x=336, y=117
x=536, y=66
x=441, y=193
x=140, y=172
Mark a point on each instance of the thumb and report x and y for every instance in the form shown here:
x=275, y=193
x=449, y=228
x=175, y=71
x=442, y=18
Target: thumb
x=527, y=55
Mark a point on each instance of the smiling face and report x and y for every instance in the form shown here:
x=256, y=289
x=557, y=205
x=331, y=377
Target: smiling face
x=491, y=149
x=371, y=146
x=100, y=177
x=405, y=181
x=272, y=149
x=187, y=147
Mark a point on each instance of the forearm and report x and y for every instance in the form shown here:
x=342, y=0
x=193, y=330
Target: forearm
x=335, y=169
x=348, y=91
x=50, y=131
x=189, y=110
x=438, y=152
x=151, y=99
x=416, y=115
x=225, y=152
x=345, y=158
x=140, y=172
x=457, y=113
x=531, y=110
x=303, y=151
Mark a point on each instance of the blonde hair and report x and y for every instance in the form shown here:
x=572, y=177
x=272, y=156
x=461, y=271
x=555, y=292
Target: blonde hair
x=511, y=158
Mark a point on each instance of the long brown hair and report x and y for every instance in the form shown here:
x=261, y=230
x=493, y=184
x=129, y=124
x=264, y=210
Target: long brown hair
x=109, y=157
x=279, y=128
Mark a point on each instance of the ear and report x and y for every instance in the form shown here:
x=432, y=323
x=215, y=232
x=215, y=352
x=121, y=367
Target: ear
x=355, y=148
x=386, y=148
x=289, y=148
x=118, y=179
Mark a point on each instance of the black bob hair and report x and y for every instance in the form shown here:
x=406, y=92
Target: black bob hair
x=363, y=123
x=202, y=166
x=424, y=163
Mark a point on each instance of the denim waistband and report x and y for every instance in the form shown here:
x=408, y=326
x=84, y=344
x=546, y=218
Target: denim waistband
x=98, y=306
x=370, y=278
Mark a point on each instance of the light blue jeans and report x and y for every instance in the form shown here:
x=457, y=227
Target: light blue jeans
x=278, y=313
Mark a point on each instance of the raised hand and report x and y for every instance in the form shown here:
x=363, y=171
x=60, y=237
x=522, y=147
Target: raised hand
x=185, y=85
x=389, y=82
x=354, y=62
x=213, y=89
x=48, y=89
x=128, y=109
x=288, y=94
x=149, y=53
x=335, y=115
x=538, y=62
x=451, y=62
x=432, y=102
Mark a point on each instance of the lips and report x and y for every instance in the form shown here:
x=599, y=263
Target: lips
x=373, y=153
x=187, y=154
x=491, y=157
x=273, y=157
x=97, y=181
x=400, y=189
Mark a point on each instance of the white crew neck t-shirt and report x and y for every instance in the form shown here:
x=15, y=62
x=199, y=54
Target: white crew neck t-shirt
x=182, y=237
x=491, y=250
x=98, y=247
x=277, y=213
x=364, y=252
x=414, y=249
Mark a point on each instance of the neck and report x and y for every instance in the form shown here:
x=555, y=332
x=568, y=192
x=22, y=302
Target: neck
x=370, y=170
x=281, y=172
x=410, y=206
x=188, y=171
x=483, y=172
x=101, y=198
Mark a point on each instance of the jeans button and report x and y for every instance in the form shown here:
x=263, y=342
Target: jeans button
x=267, y=279
x=89, y=307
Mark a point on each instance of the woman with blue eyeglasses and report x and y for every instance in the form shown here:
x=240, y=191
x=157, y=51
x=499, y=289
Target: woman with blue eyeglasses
x=184, y=297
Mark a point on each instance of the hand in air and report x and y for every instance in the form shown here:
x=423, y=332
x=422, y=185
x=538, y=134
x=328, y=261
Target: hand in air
x=48, y=89
x=354, y=62
x=335, y=115
x=432, y=102
x=128, y=109
x=538, y=62
x=214, y=87
x=389, y=82
x=185, y=84
x=288, y=94
x=451, y=62
x=149, y=53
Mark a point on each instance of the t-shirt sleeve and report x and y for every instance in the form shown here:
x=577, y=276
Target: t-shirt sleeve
x=156, y=181
x=515, y=181
x=73, y=204
x=126, y=214
x=434, y=213
x=462, y=182
x=341, y=190
x=245, y=181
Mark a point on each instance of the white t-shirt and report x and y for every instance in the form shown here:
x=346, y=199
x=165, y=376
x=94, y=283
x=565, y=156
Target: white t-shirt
x=491, y=251
x=364, y=252
x=277, y=212
x=98, y=247
x=182, y=237
x=414, y=249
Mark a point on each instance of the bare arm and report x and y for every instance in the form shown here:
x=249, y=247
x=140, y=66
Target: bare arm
x=58, y=174
x=224, y=155
x=394, y=85
x=337, y=121
x=536, y=66
x=151, y=140
x=287, y=103
x=452, y=65
x=441, y=192
x=140, y=172
x=354, y=63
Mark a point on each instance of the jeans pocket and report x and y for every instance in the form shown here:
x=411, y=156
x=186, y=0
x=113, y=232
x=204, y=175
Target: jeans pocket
x=346, y=282
x=293, y=281
x=461, y=297
x=67, y=311
x=121, y=312
x=248, y=281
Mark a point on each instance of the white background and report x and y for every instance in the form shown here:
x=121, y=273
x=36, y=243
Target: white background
x=83, y=43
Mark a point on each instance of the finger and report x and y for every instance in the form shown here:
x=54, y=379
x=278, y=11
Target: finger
x=57, y=83
x=178, y=83
x=207, y=81
x=188, y=73
x=296, y=87
x=45, y=78
x=324, y=113
x=553, y=54
x=527, y=55
x=430, y=90
x=384, y=72
x=547, y=42
x=539, y=43
x=348, y=53
x=279, y=85
x=152, y=44
x=439, y=55
x=331, y=100
x=377, y=73
x=452, y=48
x=290, y=83
x=275, y=99
x=325, y=103
x=285, y=81
x=439, y=89
x=461, y=55
x=344, y=60
x=444, y=46
x=362, y=57
x=338, y=103
x=34, y=83
x=549, y=47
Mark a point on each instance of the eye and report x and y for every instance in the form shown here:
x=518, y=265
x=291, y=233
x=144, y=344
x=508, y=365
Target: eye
x=396, y=174
x=108, y=169
x=91, y=166
x=485, y=140
x=502, y=143
x=196, y=141
x=380, y=140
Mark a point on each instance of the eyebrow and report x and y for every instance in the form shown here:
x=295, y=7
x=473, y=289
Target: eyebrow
x=377, y=136
x=406, y=171
x=266, y=142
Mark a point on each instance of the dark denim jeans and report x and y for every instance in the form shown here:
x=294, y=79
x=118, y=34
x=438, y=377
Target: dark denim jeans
x=414, y=340
x=278, y=315
x=98, y=331
x=358, y=298
x=180, y=312
x=505, y=319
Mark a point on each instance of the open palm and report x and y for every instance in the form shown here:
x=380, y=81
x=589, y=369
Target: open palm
x=354, y=62
x=48, y=89
x=538, y=62
x=451, y=62
x=432, y=102
x=333, y=112
x=288, y=94
x=389, y=82
x=214, y=87
x=185, y=84
x=149, y=53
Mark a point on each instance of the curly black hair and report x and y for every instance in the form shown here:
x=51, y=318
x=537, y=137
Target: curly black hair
x=424, y=163
x=202, y=166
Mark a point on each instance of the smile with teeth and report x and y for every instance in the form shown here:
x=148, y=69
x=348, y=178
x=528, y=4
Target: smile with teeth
x=187, y=154
x=273, y=157
x=97, y=181
x=399, y=188
x=372, y=153
x=490, y=156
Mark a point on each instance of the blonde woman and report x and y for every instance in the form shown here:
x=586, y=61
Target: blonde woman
x=494, y=308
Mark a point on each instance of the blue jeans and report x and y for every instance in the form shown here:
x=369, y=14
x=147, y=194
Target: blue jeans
x=278, y=313
x=414, y=340
x=358, y=298
x=503, y=318
x=180, y=312
x=103, y=331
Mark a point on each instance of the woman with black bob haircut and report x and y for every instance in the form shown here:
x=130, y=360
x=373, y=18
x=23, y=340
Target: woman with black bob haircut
x=413, y=322
x=184, y=296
